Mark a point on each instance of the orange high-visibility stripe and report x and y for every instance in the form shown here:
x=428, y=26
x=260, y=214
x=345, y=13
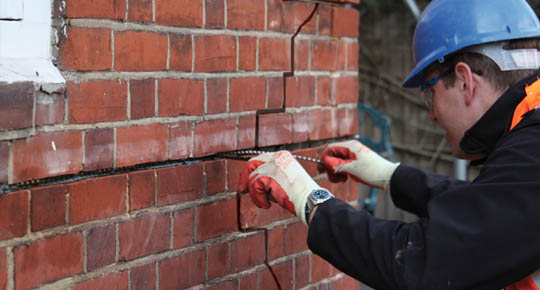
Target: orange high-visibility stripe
x=530, y=102
x=524, y=284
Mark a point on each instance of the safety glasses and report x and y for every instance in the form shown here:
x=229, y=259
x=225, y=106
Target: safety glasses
x=425, y=88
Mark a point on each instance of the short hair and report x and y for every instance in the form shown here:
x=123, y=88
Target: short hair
x=486, y=67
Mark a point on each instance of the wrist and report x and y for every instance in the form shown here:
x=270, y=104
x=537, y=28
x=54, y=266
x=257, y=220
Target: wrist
x=315, y=198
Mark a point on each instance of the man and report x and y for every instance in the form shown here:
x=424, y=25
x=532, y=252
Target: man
x=479, y=77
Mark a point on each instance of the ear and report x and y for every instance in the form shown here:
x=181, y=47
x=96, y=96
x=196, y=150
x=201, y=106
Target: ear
x=465, y=81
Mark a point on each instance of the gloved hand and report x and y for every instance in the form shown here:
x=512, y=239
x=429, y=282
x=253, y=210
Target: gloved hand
x=354, y=159
x=278, y=176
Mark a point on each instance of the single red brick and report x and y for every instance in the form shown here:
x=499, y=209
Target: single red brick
x=214, y=53
x=249, y=213
x=142, y=189
x=352, y=56
x=180, y=97
x=48, y=260
x=101, y=247
x=214, y=136
x=143, y=236
x=180, y=183
x=348, y=122
x=215, y=13
x=86, y=49
x=247, y=53
x=234, y=168
x=141, y=144
x=274, y=54
x=342, y=56
x=216, y=96
x=188, y=13
x=218, y=260
x=250, y=281
x=301, y=91
x=99, y=149
x=245, y=14
x=216, y=219
x=325, y=19
x=140, y=51
x=302, y=126
x=96, y=9
x=276, y=243
x=246, y=132
x=275, y=14
x=295, y=236
x=3, y=269
x=97, y=101
x=143, y=277
x=181, y=52
x=275, y=92
x=184, y=228
x=275, y=129
x=17, y=105
x=301, y=54
x=324, y=55
x=48, y=207
x=97, y=198
x=179, y=140
x=284, y=274
x=140, y=10
x=324, y=91
x=192, y=270
x=320, y=269
x=216, y=176
x=301, y=271
x=273, y=214
x=345, y=90
x=345, y=22
x=47, y=154
x=14, y=216
x=49, y=109
x=294, y=14
x=247, y=252
x=246, y=94
x=4, y=161
x=325, y=124
x=117, y=280
x=143, y=99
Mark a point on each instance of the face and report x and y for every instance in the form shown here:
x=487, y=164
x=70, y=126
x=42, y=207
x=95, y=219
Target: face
x=449, y=109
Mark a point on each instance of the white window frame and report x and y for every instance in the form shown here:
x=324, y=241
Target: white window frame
x=25, y=42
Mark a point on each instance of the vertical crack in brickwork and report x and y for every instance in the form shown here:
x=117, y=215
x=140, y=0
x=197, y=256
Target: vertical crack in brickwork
x=257, y=131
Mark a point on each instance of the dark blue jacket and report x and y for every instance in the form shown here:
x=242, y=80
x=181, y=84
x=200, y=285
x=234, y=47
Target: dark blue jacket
x=483, y=234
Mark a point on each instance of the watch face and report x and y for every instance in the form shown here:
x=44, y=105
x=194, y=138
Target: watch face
x=320, y=194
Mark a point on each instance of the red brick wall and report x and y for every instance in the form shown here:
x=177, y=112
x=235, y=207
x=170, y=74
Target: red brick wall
x=154, y=81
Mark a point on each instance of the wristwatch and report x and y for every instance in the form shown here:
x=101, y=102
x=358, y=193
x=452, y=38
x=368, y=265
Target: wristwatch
x=316, y=197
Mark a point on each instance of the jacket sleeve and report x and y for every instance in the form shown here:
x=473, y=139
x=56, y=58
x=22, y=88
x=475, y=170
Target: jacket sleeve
x=481, y=235
x=411, y=188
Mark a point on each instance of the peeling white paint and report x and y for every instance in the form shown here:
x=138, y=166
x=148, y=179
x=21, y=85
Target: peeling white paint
x=53, y=146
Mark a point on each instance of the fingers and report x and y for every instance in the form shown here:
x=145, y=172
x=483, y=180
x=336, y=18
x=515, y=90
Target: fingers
x=244, y=175
x=262, y=187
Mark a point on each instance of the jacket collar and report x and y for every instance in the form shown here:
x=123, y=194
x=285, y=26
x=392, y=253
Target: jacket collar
x=483, y=136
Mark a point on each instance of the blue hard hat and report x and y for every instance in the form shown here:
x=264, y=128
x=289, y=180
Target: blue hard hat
x=447, y=26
